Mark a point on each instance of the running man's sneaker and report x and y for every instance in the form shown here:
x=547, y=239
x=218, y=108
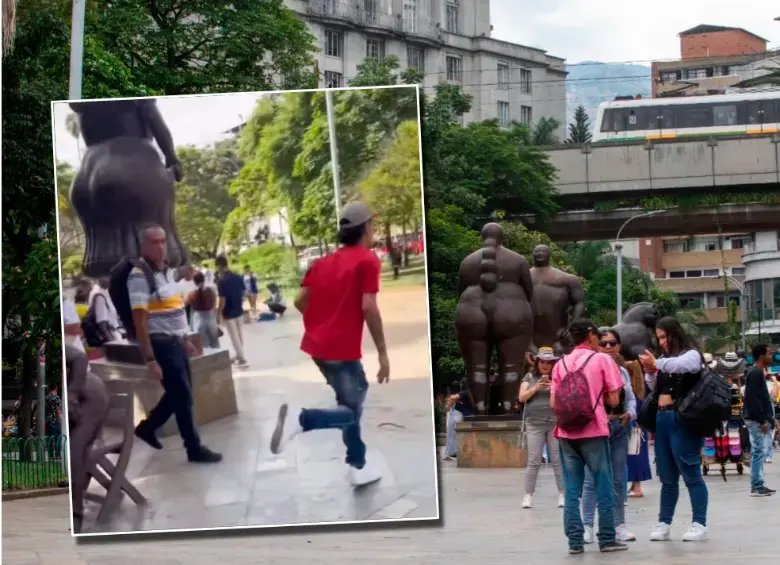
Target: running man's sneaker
x=204, y=455
x=365, y=476
x=696, y=532
x=771, y=490
x=288, y=425
x=560, y=501
x=613, y=546
x=576, y=550
x=660, y=532
x=761, y=491
x=527, y=501
x=589, y=536
x=622, y=533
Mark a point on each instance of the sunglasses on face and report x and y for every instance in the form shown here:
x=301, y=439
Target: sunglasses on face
x=605, y=343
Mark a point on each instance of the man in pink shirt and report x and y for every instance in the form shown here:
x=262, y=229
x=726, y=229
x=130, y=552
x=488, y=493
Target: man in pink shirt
x=588, y=446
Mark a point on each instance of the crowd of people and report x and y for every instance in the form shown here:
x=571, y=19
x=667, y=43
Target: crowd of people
x=593, y=416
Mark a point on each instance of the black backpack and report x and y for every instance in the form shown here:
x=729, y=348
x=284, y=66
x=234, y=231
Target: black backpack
x=90, y=327
x=707, y=404
x=119, y=294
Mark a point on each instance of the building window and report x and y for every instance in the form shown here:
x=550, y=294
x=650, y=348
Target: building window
x=451, y=23
x=454, y=69
x=710, y=273
x=737, y=271
x=525, y=115
x=690, y=301
x=525, y=81
x=334, y=43
x=333, y=79
x=370, y=11
x=693, y=274
x=670, y=76
x=694, y=73
x=676, y=274
x=503, y=113
x=503, y=76
x=410, y=16
x=415, y=58
x=738, y=243
x=375, y=49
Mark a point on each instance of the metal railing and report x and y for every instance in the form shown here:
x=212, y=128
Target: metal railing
x=753, y=247
x=34, y=463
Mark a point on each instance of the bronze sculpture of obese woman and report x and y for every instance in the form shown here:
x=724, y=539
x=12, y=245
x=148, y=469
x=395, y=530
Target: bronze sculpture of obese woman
x=494, y=317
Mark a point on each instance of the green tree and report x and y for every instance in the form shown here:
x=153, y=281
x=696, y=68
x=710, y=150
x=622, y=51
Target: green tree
x=579, y=129
x=543, y=133
x=393, y=187
x=203, y=200
x=587, y=257
x=197, y=46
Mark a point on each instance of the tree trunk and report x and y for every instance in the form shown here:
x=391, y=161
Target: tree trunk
x=406, y=246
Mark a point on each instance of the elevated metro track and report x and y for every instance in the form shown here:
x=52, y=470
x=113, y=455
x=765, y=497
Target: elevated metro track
x=584, y=225
x=589, y=174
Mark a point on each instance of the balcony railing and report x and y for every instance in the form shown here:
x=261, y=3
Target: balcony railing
x=331, y=9
x=753, y=247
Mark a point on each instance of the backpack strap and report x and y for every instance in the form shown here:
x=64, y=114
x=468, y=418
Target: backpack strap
x=148, y=274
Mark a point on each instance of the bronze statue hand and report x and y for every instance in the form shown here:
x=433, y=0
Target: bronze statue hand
x=175, y=168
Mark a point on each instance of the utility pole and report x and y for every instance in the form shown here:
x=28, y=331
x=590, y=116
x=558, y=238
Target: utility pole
x=334, y=152
x=76, y=49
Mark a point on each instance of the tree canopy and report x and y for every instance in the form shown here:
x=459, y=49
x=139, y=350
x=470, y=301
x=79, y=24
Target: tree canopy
x=579, y=129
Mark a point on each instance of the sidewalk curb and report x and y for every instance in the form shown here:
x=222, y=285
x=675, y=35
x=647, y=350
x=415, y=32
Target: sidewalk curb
x=37, y=493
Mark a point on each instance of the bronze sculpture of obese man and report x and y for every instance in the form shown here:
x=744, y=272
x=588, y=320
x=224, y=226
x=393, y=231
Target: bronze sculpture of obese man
x=494, y=315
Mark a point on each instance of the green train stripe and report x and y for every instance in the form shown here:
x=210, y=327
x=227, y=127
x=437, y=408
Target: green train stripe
x=683, y=136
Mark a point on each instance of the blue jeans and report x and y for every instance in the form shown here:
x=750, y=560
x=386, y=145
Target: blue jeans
x=618, y=449
x=451, y=448
x=678, y=452
x=348, y=381
x=592, y=454
x=757, y=454
x=177, y=399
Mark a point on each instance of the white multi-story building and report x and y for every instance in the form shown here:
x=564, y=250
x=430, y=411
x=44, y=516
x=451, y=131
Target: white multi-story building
x=448, y=41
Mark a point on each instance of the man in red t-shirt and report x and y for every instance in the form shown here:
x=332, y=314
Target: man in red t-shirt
x=338, y=294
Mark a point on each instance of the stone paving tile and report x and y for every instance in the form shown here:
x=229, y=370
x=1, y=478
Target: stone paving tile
x=483, y=523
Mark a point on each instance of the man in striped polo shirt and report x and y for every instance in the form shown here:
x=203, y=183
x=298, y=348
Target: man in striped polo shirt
x=161, y=329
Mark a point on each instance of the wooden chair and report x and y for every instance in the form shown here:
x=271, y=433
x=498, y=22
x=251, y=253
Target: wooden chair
x=111, y=476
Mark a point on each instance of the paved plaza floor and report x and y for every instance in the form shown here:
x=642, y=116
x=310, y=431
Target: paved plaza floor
x=308, y=482
x=482, y=523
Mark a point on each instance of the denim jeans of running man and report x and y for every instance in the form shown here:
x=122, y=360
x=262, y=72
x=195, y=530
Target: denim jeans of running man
x=348, y=381
x=576, y=456
x=678, y=452
x=758, y=454
x=618, y=449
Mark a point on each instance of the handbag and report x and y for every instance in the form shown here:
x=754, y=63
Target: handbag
x=635, y=440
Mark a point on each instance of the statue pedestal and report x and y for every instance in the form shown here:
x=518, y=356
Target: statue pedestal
x=490, y=442
x=213, y=391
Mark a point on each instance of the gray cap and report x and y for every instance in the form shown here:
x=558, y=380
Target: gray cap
x=355, y=214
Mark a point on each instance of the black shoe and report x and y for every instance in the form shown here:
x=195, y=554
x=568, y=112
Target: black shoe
x=770, y=490
x=204, y=455
x=613, y=546
x=147, y=436
x=576, y=550
x=761, y=491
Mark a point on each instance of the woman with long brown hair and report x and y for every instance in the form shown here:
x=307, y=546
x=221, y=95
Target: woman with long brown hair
x=639, y=464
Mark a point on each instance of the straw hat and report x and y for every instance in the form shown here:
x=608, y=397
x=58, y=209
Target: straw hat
x=546, y=354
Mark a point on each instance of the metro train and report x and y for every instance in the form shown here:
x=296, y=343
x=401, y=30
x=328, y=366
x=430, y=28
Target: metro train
x=688, y=117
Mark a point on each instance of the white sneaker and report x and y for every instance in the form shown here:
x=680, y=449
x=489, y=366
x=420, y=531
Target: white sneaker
x=288, y=426
x=365, y=476
x=696, y=532
x=622, y=533
x=560, y=501
x=660, y=532
x=589, y=536
x=527, y=501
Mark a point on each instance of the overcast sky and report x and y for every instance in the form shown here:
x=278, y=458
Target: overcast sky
x=193, y=120
x=617, y=30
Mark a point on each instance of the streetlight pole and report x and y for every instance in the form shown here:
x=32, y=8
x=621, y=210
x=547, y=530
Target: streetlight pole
x=76, y=49
x=334, y=152
x=619, y=257
x=760, y=307
x=742, y=307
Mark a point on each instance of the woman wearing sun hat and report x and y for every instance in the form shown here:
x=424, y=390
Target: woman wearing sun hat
x=539, y=422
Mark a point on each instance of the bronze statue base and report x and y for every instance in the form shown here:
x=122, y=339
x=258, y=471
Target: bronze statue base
x=490, y=442
x=129, y=351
